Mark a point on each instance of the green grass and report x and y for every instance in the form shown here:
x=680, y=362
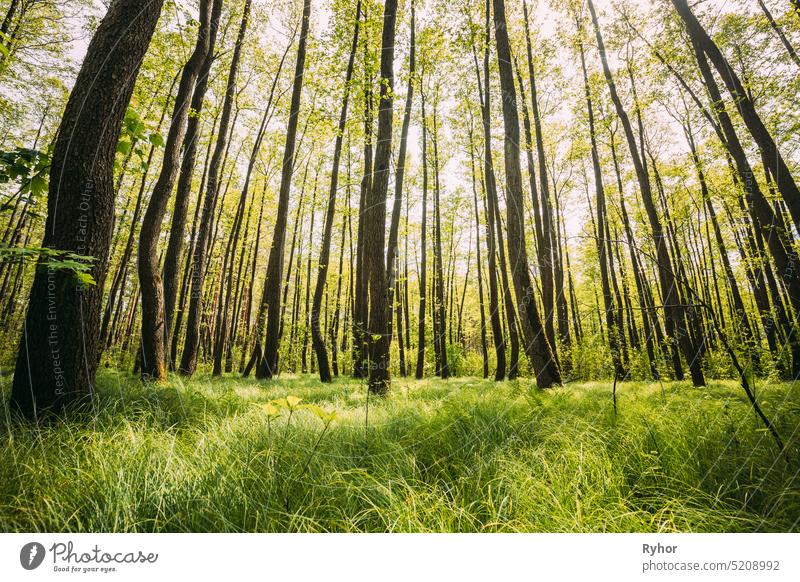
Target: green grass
x=460, y=455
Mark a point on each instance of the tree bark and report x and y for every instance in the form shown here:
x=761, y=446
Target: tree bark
x=375, y=215
x=57, y=358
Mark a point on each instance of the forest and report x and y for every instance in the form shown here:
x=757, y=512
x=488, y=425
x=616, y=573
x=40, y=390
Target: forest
x=390, y=266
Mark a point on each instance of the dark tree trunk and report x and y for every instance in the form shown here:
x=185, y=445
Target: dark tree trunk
x=778, y=239
x=440, y=338
x=490, y=191
x=392, y=253
x=57, y=358
x=537, y=347
x=547, y=252
x=375, y=215
x=361, y=290
x=423, y=265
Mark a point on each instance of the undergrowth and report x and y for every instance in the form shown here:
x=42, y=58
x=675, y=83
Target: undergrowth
x=458, y=455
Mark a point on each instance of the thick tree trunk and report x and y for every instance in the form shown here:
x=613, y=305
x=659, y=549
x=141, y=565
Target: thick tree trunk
x=57, y=357
x=777, y=237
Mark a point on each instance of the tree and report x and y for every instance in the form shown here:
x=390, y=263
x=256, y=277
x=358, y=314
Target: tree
x=57, y=358
x=191, y=344
x=154, y=333
x=537, y=348
x=375, y=215
x=317, y=340
x=268, y=364
x=674, y=310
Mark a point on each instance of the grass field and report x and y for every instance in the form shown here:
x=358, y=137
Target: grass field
x=458, y=455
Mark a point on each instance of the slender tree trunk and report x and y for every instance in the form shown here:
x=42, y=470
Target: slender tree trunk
x=154, y=351
x=204, y=238
x=537, y=346
x=547, y=254
x=484, y=346
x=318, y=341
x=375, y=215
x=612, y=324
x=440, y=338
x=423, y=265
x=490, y=191
x=392, y=254
x=673, y=308
x=268, y=366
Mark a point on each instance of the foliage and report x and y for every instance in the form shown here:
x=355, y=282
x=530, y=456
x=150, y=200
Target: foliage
x=28, y=168
x=79, y=265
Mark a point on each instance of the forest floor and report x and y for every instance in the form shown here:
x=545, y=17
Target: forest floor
x=457, y=455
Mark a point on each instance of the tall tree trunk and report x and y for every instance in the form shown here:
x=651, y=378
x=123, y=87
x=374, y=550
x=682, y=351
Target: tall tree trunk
x=674, y=310
x=440, y=338
x=392, y=253
x=268, y=366
x=154, y=352
x=423, y=264
x=537, y=347
x=778, y=239
x=612, y=324
x=375, y=215
x=318, y=341
x=204, y=238
x=490, y=191
x=484, y=346
x=547, y=254
x=57, y=358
